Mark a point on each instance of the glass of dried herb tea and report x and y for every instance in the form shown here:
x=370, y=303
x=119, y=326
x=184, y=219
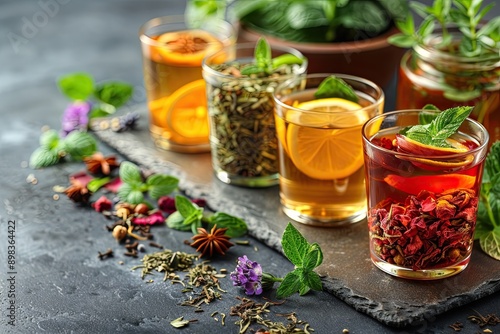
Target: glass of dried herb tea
x=423, y=176
x=240, y=82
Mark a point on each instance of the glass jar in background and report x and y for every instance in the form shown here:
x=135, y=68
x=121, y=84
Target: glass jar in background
x=429, y=75
x=172, y=56
x=241, y=115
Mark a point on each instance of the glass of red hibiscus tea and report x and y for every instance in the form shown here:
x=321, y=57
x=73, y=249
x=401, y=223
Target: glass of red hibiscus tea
x=423, y=173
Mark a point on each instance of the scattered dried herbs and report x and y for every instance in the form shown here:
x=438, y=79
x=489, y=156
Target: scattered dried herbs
x=166, y=261
x=206, y=278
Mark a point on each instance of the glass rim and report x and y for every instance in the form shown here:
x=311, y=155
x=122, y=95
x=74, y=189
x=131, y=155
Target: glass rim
x=378, y=89
x=372, y=120
x=180, y=19
x=251, y=46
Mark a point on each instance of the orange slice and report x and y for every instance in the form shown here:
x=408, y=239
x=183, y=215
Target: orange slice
x=327, y=144
x=187, y=115
x=187, y=47
x=436, y=184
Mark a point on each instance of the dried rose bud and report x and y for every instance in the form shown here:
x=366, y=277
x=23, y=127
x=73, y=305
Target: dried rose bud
x=200, y=202
x=119, y=232
x=141, y=209
x=102, y=204
x=166, y=204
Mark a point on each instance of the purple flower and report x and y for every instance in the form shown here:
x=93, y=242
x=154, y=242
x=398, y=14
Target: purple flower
x=75, y=117
x=248, y=274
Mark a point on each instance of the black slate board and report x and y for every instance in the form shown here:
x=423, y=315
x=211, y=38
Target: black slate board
x=346, y=270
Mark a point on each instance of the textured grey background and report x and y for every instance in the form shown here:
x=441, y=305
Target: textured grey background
x=61, y=285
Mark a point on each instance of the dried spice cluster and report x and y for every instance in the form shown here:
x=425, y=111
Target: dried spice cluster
x=429, y=230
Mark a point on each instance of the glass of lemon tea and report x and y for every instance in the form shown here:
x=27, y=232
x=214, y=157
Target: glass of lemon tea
x=321, y=171
x=172, y=56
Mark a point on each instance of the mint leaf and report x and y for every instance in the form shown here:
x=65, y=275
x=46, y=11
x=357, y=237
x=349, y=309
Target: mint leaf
x=176, y=221
x=79, y=144
x=130, y=173
x=335, y=87
x=312, y=280
x=490, y=243
x=440, y=128
x=194, y=217
x=50, y=139
x=135, y=197
x=236, y=227
x=286, y=59
x=263, y=57
x=77, y=86
x=313, y=258
x=161, y=185
x=295, y=246
x=43, y=157
x=131, y=193
x=95, y=184
x=289, y=285
x=184, y=206
x=115, y=94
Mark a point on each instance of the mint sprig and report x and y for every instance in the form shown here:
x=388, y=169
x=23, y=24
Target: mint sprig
x=190, y=216
x=134, y=186
x=440, y=128
x=333, y=86
x=263, y=61
x=488, y=216
x=77, y=145
x=306, y=257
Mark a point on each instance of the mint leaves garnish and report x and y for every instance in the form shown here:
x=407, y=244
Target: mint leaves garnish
x=440, y=128
x=134, y=186
x=264, y=63
x=190, y=216
x=488, y=215
x=305, y=257
x=333, y=86
x=77, y=145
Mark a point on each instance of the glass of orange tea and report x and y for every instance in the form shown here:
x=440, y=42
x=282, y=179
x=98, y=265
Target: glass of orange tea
x=172, y=55
x=321, y=172
x=423, y=178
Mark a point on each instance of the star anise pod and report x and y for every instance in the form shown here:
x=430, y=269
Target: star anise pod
x=211, y=243
x=99, y=164
x=77, y=192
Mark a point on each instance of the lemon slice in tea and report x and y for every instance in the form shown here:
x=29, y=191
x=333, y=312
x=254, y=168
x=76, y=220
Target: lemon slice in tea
x=187, y=47
x=187, y=115
x=327, y=146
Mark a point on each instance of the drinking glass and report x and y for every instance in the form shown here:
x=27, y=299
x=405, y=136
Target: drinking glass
x=172, y=55
x=241, y=116
x=320, y=149
x=422, y=200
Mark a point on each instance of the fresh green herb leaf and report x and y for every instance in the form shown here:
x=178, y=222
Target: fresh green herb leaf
x=488, y=216
x=236, y=227
x=313, y=257
x=43, y=157
x=176, y=221
x=95, y=184
x=263, y=57
x=50, y=139
x=333, y=86
x=80, y=144
x=295, y=246
x=77, y=86
x=161, y=185
x=130, y=173
x=286, y=59
x=440, y=128
x=115, y=94
x=184, y=206
x=291, y=283
x=312, y=280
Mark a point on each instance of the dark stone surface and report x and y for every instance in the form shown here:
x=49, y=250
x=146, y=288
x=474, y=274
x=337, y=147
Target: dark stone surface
x=61, y=285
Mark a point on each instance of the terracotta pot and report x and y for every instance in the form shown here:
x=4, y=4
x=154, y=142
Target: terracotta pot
x=374, y=59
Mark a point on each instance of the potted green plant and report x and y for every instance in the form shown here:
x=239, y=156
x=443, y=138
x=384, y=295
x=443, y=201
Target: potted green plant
x=337, y=36
x=454, y=59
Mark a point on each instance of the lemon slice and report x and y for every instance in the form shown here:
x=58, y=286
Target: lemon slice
x=327, y=144
x=187, y=113
x=187, y=47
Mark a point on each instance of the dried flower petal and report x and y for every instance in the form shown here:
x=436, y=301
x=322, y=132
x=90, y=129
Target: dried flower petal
x=153, y=219
x=102, y=204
